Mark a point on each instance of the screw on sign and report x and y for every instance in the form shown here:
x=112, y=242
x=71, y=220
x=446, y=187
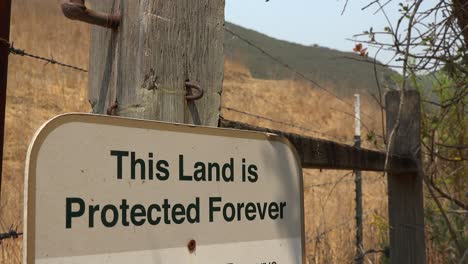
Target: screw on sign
x=192, y=246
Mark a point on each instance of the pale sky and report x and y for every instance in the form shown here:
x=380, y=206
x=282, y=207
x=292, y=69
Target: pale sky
x=312, y=21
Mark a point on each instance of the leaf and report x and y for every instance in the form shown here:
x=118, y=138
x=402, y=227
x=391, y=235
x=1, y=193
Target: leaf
x=363, y=52
x=358, y=47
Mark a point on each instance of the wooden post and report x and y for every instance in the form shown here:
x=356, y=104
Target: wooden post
x=405, y=191
x=5, y=14
x=145, y=64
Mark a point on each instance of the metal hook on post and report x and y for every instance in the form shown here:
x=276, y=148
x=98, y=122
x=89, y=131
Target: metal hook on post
x=77, y=10
x=193, y=97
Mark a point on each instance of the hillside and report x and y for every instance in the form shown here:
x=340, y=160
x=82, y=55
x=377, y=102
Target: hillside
x=324, y=65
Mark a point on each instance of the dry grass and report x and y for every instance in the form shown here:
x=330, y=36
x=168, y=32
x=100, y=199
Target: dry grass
x=329, y=207
x=37, y=92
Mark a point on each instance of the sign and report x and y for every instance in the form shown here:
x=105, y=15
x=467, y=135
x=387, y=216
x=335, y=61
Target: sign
x=114, y=190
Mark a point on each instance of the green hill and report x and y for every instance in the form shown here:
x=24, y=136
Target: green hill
x=326, y=66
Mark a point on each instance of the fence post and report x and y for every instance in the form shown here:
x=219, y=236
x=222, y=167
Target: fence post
x=145, y=63
x=405, y=191
x=5, y=14
x=358, y=182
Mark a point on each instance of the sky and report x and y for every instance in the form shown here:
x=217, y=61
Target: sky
x=310, y=22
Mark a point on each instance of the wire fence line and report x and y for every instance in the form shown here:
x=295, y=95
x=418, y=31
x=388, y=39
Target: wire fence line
x=305, y=129
x=336, y=227
x=23, y=53
x=317, y=238
x=51, y=60
x=337, y=182
x=289, y=67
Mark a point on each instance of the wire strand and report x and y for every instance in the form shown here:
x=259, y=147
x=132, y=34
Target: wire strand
x=274, y=121
x=20, y=52
x=287, y=66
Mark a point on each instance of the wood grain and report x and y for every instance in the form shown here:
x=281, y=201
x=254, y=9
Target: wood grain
x=405, y=192
x=323, y=154
x=145, y=64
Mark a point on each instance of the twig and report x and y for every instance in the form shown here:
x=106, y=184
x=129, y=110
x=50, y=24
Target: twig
x=441, y=209
x=403, y=88
x=344, y=7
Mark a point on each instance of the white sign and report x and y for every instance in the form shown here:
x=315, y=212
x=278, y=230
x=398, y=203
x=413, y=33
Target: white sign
x=114, y=190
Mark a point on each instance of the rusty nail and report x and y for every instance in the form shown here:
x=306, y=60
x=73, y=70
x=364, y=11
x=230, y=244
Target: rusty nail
x=77, y=10
x=193, y=97
x=192, y=246
x=112, y=109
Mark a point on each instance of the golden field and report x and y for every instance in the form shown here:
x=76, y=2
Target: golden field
x=37, y=92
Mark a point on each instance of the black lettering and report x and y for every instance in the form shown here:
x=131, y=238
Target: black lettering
x=262, y=210
x=138, y=211
x=232, y=215
x=199, y=173
x=250, y=209
x=163, y=172
x=115, y=215
x=150, y=166
x=134, y=162
x=120, y=155
x=282, y=205
x=182, y=177
x=178, y=210
x=124, y=207
x=239, y=209
x=228, y=168
x=151, y=220
x=253, y=176
x=166, y=206
x=194, y=207
x=212, y=166
x=213, y=208
x=273, y=211
x=69, y=213
x=92, y=210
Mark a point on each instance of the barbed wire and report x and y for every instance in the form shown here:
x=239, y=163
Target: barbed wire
x=364, y=124
x=385, y=251
x=275, y=121
x=287, y=66
x=337, y=227
x=337, y=182
x=11, y=234
x=318, y=237
x=23, y=53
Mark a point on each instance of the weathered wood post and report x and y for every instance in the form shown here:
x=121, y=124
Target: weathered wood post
x=405, y=191
x=5, y=14
x=159, y=46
